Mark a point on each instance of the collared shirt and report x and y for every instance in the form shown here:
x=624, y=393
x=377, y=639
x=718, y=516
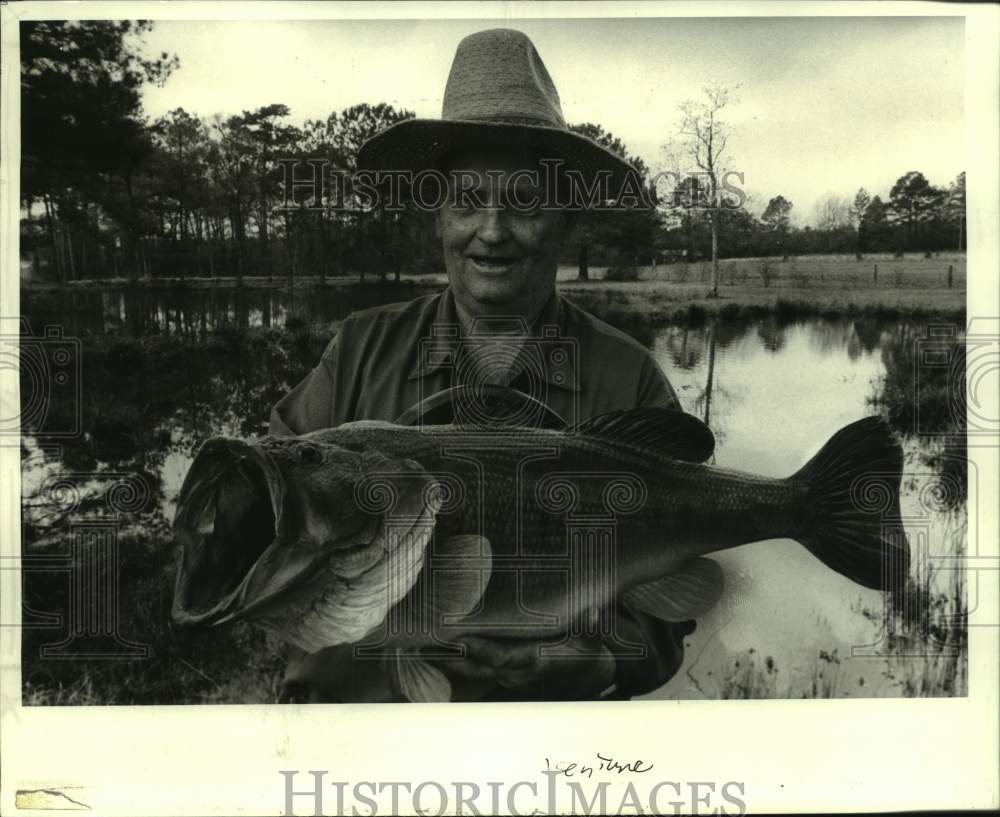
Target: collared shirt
x=386, y=359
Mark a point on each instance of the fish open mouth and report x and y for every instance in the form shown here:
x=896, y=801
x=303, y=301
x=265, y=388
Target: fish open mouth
x=230, y=511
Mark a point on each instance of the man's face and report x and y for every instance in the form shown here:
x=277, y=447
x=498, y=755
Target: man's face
x=501, y=257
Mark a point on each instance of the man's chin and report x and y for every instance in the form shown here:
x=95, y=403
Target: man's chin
x=497, y=291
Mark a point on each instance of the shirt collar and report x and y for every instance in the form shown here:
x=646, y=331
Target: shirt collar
x=548, y=352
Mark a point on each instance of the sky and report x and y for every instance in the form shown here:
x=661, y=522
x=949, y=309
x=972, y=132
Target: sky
x=825, y=105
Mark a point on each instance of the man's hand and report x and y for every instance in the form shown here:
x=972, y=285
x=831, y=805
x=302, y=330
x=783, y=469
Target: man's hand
x=334, y=675
x=582, y=669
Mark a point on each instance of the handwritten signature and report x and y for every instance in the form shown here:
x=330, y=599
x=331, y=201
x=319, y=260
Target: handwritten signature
x=603, y=764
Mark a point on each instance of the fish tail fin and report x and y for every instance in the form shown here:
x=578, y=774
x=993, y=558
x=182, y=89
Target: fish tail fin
x=854, y=481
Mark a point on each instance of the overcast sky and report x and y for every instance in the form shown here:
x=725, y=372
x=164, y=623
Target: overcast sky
x=827, y=105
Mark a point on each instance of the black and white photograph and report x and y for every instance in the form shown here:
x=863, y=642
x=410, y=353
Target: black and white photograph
x=496, y=360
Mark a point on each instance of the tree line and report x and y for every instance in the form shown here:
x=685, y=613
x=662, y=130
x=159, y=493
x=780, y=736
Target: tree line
x=108, y=193
x=916, y=217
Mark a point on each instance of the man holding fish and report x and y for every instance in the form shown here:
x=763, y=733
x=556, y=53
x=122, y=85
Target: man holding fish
x=286, y=533
x=500, y=263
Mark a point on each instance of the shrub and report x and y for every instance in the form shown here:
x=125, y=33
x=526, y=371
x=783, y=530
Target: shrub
x=696, y=314
x=623, y=273
x=730, y=311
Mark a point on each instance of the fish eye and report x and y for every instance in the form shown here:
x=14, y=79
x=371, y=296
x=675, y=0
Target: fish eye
x=310, y=455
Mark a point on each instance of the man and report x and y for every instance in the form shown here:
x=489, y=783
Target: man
x=500, y=321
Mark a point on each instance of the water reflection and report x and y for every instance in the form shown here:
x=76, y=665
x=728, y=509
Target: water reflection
x=773, y=390
x=774, y=393
x=185, y=312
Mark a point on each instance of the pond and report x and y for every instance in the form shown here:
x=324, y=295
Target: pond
x=787, y=624
x=773, y=391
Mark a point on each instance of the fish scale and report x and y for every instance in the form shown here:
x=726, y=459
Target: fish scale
x=689, y=509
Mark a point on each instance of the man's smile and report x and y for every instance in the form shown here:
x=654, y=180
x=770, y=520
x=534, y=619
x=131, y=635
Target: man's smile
x=492, y=263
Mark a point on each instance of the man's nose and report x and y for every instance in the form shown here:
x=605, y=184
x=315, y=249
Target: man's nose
x=492, y=226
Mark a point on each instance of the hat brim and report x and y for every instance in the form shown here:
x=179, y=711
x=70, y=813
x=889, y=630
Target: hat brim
x=420, y=144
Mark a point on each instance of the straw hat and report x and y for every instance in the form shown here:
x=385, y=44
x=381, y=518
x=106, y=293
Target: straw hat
x=498, y=93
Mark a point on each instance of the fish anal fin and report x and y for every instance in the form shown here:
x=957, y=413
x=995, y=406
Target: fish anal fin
x=688, y=593
x=670, y=432
x=418, y=681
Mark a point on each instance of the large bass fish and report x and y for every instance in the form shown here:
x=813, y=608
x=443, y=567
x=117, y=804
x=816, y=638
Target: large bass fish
x=405, y=537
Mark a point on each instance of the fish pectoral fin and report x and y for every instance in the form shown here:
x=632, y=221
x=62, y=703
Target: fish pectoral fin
x=689, y=593
x=418, y=681
x=669, y=432
x=460, y=571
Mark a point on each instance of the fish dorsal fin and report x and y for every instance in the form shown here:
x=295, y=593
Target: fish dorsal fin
x=665, y=431
x=485, y=405
x=418, y=681
x=689, y=593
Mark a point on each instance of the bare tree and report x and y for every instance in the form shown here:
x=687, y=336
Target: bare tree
x=703, y=138
x=832, y=212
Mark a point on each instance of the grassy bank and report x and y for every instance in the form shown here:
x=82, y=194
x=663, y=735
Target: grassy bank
x=655, y=304
x=819, y=286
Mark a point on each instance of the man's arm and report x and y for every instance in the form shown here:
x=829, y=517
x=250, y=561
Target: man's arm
x=311, y=405
x=654, y=388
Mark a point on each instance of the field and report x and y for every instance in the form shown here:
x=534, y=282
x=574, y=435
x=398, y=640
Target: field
x=833, y=285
